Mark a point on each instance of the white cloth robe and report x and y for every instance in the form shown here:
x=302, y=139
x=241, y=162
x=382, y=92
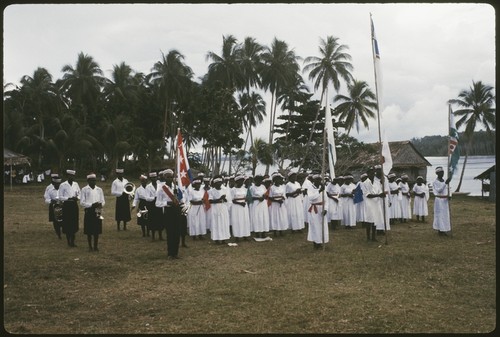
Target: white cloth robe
x=278, y=215
x=420, y=207
x=361, y=206
x=239, y=215
x=219, y=216
x=405, y=200
x=395, y=211
x=318, y=229
x=334, y=210
x=380, y=223
x=196, y=216
x=441, y=207
x=305, y=186
x=348, y=208
x=258, y=210
x=294, y=206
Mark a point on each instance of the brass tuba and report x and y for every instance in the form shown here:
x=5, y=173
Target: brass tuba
x=129, y=189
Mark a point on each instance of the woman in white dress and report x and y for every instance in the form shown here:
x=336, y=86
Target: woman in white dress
x=394, y=199
x=334, y=204
x=347, y=197
x=278, y=215
x=239, y=215
x=294, y=204
x=258, y=209
x=196, y=217
x=318, y=228
x=421, y=196
x=219, y=213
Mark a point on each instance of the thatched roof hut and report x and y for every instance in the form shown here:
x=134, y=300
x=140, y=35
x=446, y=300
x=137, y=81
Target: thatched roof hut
x=405, y=159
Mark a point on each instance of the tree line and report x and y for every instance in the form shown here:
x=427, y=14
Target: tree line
x=88, y=122
x=437, y=146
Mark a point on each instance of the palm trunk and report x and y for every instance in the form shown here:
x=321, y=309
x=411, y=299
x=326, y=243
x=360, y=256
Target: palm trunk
x=462, y=173
x=271, y=126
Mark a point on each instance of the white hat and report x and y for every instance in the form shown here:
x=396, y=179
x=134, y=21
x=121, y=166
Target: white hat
x=217, y=180
x=119, y=170
x=152, y=174
x=364, y=175
x=56, y=180
x=291, y=172
x=72, y=172
x=91, y=176
x=54, y=175
x=201, y=174
x=168, y=171
x=391, y=175
x=240, y=177
x=439, y=169
x=143, y=177
x=316, y=176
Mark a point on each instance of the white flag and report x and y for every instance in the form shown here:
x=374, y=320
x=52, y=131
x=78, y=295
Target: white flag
x=332, y=152
x=386, y=153
x=376, y=63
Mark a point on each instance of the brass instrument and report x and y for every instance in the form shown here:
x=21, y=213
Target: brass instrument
x=129, y=189
x=98, y=212
x=144, y=213
x=58, y=210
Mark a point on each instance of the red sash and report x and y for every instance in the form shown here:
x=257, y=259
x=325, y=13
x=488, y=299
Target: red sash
x=169, y=193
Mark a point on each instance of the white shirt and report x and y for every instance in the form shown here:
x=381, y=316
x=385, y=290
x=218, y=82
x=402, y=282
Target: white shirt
x=69, y=191
x=118, y=186
x=143, y=193
x=90, y=196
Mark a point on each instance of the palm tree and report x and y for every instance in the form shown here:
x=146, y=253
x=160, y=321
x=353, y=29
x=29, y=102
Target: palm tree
x=226, y=67
x=173, y=77
x=330, y=67
x=253, y=108
x=476, y=108
x=355, y=108
x=82, y=85
x=121, y=92
x=279, y=70
x=261, y=152
x=249, y=59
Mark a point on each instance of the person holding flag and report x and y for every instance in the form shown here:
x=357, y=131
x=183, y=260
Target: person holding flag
x=440, y=189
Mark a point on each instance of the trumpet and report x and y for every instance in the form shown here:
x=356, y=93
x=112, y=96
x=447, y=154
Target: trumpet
x=129, y=189
x=143, y=213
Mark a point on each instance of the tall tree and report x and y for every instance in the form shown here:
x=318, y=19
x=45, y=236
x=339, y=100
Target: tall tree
x=476, y=109
x=225, y=68
x=82, y=84
x=279, y=70
x=173, y=77
x=329, y=68
x=356, y=107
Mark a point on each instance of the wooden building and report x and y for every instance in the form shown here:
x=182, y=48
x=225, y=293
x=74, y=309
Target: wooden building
x=488, y=182
x=405, y=159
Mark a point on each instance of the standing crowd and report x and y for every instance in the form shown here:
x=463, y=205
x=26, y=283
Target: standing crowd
x=240, y=207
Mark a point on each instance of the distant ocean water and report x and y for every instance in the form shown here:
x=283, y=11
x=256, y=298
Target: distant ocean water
x=474, y=167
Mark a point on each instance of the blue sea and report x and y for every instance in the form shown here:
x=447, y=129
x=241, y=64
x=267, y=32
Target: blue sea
x=475, y=166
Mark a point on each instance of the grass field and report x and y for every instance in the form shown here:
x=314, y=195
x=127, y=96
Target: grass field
x=418, y=282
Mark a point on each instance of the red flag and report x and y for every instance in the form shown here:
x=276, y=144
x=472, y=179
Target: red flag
x=184, y=177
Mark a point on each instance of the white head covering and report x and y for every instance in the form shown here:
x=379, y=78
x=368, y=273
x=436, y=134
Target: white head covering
x=152, y=174
x=72, y=172
x=143, y=177
x=119, y=170
x=439, y=169
x=168, y=171
x=91, y=176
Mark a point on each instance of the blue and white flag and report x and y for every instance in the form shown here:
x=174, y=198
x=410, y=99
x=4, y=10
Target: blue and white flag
x=376, y=63
x=453, y=148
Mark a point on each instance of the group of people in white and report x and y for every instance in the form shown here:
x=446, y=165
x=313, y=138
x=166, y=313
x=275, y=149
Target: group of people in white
x=242, y=206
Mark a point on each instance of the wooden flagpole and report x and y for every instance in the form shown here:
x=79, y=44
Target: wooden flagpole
x=448, y=168
x=382, y=180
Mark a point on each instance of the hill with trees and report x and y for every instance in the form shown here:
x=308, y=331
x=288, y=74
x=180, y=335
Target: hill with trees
x=436, y=146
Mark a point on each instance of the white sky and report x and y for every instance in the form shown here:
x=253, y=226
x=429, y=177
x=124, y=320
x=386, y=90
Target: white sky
x=429, y=52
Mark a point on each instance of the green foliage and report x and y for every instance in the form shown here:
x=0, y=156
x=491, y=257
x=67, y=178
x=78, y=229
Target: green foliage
x=437, y=146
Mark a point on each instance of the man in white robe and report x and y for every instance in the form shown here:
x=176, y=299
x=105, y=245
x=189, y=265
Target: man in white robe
x=440, y=187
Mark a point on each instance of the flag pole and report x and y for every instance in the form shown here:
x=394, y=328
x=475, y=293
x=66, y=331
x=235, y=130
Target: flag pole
x=448, y=168
x=382, y=181
x=323, y=164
